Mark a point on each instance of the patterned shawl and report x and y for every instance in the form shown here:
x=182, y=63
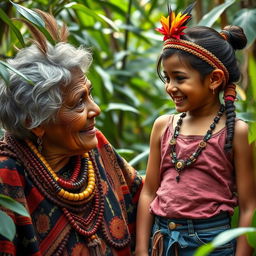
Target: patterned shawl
x=47, y=228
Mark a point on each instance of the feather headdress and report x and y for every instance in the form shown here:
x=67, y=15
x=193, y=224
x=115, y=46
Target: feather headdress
x=173, y=25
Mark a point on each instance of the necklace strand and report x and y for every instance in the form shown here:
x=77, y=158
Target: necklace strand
x=181, y=164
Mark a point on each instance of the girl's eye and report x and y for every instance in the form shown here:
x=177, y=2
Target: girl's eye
x=180, y=78
x=166, y=78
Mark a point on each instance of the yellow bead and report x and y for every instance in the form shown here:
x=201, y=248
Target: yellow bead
x=66, y=194
x=91, y=187
x=92, y=183
x=61, y=193
x=89, y=190
x=71, y=196
x=76, y=197
x=86, y=194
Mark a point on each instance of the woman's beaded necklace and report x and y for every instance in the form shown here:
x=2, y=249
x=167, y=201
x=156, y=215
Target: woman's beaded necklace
x=61, y=190
x=85, y=216
x=181, y=164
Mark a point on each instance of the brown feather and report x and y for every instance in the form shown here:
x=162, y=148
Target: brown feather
x=39, y=38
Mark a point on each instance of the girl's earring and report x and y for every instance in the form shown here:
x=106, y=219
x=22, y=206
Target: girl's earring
x=39, y=144
x=213, y=91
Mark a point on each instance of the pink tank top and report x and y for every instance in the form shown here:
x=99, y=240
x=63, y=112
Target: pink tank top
x=206, y=188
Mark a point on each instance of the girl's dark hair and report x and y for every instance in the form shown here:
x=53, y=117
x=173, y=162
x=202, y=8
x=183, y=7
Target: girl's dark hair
x=224, y=50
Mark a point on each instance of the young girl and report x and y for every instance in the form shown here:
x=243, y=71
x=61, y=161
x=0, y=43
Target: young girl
x=200, y=164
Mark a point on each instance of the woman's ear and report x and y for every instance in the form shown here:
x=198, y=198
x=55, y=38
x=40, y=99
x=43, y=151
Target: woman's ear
x=38, y=131
x=216, y=79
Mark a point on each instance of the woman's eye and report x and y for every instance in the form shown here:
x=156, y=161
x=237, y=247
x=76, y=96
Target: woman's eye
x=81, y=102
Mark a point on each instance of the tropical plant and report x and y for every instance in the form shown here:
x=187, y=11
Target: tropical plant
x=7, y=227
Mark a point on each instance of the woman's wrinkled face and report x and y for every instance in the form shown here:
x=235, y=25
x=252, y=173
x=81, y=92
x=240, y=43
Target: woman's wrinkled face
x=74, y=130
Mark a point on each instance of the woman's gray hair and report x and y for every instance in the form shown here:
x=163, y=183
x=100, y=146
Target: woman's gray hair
x=25, y=106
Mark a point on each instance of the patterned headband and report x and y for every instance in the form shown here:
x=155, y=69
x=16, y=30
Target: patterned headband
x=198, y=51
x=172, y=28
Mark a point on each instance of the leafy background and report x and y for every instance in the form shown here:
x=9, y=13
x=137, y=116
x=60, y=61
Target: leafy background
x=121, y=35
x=125, y=48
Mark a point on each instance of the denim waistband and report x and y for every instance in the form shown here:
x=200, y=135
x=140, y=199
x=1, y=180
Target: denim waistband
x=219, y=220
x=176, y=229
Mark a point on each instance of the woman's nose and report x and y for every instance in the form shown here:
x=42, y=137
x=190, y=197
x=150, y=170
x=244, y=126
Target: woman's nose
x=94, y=109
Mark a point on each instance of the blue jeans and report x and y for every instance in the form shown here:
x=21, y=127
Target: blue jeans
x=184, y=236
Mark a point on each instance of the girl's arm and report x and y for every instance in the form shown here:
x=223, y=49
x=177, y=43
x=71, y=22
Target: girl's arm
x=245, y=178
x=148, y=193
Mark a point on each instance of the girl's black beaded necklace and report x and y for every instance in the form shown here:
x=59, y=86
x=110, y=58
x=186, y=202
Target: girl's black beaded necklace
x=181, y=164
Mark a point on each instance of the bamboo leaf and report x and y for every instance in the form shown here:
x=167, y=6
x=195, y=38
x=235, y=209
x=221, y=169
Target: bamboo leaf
x=231, y=234
x=139, y=157
x=246, y=18
x=122, y=107
x=86, y=10
x=29, y=14
x=209, y=18
x=105, y=78
x=4, y=73
x=6, y=19
x=204, y=250
x=17, y=72
x=34, y=18
x=7, y=227
x=109, y=22
x=13, y=205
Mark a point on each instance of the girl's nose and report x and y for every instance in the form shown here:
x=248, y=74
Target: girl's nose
x=170, y=87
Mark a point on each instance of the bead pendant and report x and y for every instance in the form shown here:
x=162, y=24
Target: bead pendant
x=179, y=165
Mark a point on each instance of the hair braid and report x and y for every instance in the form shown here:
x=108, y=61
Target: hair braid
x=230, y=123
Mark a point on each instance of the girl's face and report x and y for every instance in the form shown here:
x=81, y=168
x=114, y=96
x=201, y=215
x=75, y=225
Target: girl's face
x=185, y=86
x=74, y=131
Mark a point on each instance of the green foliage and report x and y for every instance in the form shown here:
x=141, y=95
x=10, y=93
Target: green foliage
x=229, y=235
x=7, y=227
x=125, y=49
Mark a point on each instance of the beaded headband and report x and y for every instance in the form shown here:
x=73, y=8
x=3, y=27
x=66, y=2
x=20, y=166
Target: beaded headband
x=172, y=28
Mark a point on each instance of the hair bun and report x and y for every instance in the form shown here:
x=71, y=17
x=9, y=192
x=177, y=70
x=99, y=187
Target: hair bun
x=235, y=36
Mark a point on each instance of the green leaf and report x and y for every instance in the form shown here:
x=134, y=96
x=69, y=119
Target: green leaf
x=231, y=234
x=34, y=18
x=86, y=10
x=252, y=132
x=122, y=107
x=139, y=157
x=109, y=22
x=7, y=227
x=17, y=72
x=13, y=205
x=6, y=19
x=30, y=15
x=209, y=18
x=204, y=250
x=4, y=73
x=105, y=78
x=251, y=238
x=246, y=18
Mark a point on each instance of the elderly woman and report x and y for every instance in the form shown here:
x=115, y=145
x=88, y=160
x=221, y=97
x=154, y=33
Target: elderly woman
x=80, y=194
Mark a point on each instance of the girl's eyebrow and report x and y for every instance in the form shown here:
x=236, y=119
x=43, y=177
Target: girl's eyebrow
x=175, y=72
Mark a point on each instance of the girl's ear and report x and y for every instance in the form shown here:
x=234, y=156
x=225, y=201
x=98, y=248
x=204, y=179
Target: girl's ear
x=38, y=131
x=216, y=79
